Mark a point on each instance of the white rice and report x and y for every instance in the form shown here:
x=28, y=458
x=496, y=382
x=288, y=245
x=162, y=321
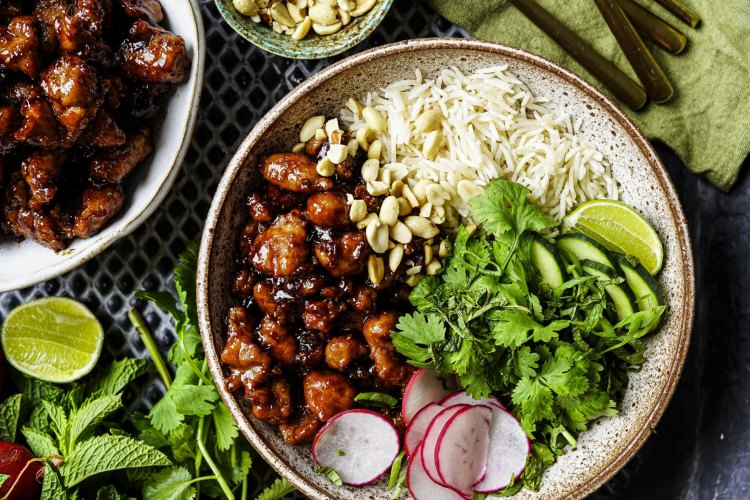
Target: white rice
x=492, y=127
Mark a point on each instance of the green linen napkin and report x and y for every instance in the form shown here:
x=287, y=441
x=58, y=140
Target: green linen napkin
x=708, y=121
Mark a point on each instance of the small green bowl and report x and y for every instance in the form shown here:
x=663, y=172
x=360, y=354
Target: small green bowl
x=314, y=46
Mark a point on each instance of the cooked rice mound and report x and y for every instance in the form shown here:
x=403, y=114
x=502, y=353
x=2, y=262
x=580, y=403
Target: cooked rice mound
x=490, y=126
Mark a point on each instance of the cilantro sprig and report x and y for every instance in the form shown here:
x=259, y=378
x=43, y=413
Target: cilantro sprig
x=191, y=424
x=553, y=355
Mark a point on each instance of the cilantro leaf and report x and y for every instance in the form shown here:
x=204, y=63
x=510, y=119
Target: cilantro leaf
x=504, y=207
x=415, y=334
x=277, y=490
x=164, y=415
x=226, y=429
x=194, y=399
x=3, y=478
x=174, y=483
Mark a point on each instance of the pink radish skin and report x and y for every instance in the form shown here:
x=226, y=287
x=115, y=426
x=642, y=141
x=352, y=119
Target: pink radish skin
x=421, y=486
x=461, y=452
x=423, y=388
x=418, y=427
x=508, y=451
x=431, y=438
x=462, y=398
x=360, y=445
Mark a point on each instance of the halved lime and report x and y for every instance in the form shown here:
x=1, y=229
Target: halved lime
x=53, y=339
x=619, y=228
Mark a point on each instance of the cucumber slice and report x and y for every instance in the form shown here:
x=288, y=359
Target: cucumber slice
x=580, y=247
x=546, y=260
x=641, y=283
x=622, y=297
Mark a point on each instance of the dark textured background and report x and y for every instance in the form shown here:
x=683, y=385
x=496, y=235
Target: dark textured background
x=701, y=448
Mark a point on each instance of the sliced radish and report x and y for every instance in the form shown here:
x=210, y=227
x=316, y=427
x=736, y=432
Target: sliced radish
x=421, y=486
x=423, y=388
x=360, y=445
x=431, y=438
x=418, y=426
x=462, y=398
x=509, y=449
x=461, y=452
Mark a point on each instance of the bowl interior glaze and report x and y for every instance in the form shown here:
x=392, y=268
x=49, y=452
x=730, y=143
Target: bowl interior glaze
x=644, y=184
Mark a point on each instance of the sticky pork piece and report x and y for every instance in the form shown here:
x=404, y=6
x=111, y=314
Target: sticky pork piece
x=114, y=165
x=73, y=89
x=327, y=393
x=294, y=172
x=41, y=171
x=19, y=46
x=143, y=9
x=74, y=39
x=98, y=206
x=282, y=248
x=153, y=54
x=342, y=351
x=343, y=256
x=276, y=337
x=390, y=367
x=302, y=429
x=273, y=403
x=328, y=210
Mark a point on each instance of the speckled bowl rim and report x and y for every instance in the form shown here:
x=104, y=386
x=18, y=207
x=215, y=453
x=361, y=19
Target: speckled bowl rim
x=256, y=37
x=237, y=161
x=80, y=258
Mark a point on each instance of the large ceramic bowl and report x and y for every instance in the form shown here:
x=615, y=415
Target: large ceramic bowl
x=26, y=263
x=313, y=46
x=644, y=184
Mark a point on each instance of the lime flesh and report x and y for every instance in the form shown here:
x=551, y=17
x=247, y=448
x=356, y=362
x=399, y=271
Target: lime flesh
x=54, y=339
x=618, y=228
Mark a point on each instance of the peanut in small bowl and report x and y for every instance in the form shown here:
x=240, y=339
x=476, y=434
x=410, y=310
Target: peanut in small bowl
x=304, y=29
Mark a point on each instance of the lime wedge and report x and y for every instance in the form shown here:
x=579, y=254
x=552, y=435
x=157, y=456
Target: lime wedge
x=53, y=339
x=618, y=228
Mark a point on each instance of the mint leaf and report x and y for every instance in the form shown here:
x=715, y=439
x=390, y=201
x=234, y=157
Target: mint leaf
x=174, y=483
x=58, y=423
x=226, y=428
x=115, y=377
x=108, y=453
x=89, y=415
x=40, y=443
x=12, y=411
x=52, y=486
x=107, y=492
x=194, y=399
x=38, y=391
x=278, y=490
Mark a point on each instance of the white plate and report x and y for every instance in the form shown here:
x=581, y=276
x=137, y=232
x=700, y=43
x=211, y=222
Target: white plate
x=27, y=263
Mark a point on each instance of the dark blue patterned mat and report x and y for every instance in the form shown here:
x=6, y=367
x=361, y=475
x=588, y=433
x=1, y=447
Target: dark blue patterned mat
x=701, y=448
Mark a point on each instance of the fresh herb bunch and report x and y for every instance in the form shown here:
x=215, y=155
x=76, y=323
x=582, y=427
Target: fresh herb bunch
x=71, y=428
x=553, y=355
x=191, y=424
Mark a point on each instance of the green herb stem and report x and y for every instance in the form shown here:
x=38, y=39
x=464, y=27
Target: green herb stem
x=209, y=461
x=148, y=340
